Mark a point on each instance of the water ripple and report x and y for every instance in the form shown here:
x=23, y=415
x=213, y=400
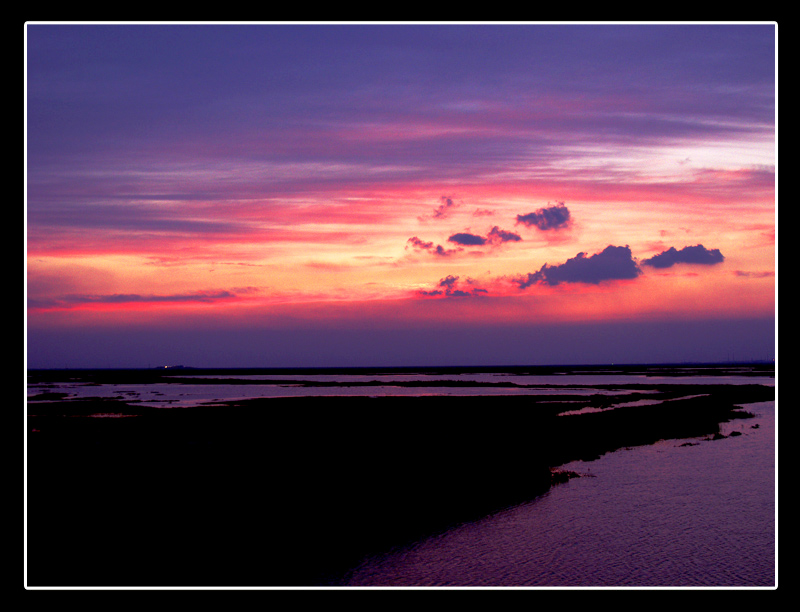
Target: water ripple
x=664, y=515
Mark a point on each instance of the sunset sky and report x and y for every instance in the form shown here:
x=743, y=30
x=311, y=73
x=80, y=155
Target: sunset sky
x=399, y=194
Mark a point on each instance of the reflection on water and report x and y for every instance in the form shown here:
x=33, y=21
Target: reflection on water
x=188, y=395
x=183, y=392
x=674, y=514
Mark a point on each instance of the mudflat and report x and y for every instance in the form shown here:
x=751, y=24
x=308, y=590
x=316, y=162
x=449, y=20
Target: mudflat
x=295, y=491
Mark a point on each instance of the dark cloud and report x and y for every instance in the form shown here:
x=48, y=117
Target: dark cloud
x=448, y=287
x=436, y=249
x=552, y=217
x=496, y=236
x=467, y=239
x=442, y=211
x=420, y=244
x=470, y=293
x=613, y=263
x=697, y=254
x=448, y=281
x=444, y=208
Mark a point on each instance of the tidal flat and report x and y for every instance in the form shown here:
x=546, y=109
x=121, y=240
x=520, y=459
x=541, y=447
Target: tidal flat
x=294, y=491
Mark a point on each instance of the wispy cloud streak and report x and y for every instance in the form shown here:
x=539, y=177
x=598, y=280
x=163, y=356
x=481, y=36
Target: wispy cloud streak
x=77, y=301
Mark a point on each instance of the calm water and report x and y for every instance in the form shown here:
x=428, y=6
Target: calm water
x=667, y=515
x=186, y=394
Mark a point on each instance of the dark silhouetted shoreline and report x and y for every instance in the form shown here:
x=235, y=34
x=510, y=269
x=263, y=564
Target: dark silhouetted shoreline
x=295, y=491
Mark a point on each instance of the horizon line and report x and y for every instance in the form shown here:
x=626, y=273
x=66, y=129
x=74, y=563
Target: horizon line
x=486, y=367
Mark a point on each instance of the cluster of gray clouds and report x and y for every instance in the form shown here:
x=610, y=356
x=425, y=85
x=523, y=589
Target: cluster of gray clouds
x=612, y=263
x=550, y=218
x=447, y=286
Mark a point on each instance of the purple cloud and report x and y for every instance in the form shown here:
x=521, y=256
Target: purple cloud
x=467, y=239
x=697, y=254
x=553, y=217
x=448, y=287
x=436, y=249
x=444, y=208
x=613, y=263
x=497, y=236
x=442, y=211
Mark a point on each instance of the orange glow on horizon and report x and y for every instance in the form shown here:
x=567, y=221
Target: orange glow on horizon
x=376, y=192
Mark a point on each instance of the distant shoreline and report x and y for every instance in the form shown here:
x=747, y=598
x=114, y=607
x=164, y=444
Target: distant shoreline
x=661, y=368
